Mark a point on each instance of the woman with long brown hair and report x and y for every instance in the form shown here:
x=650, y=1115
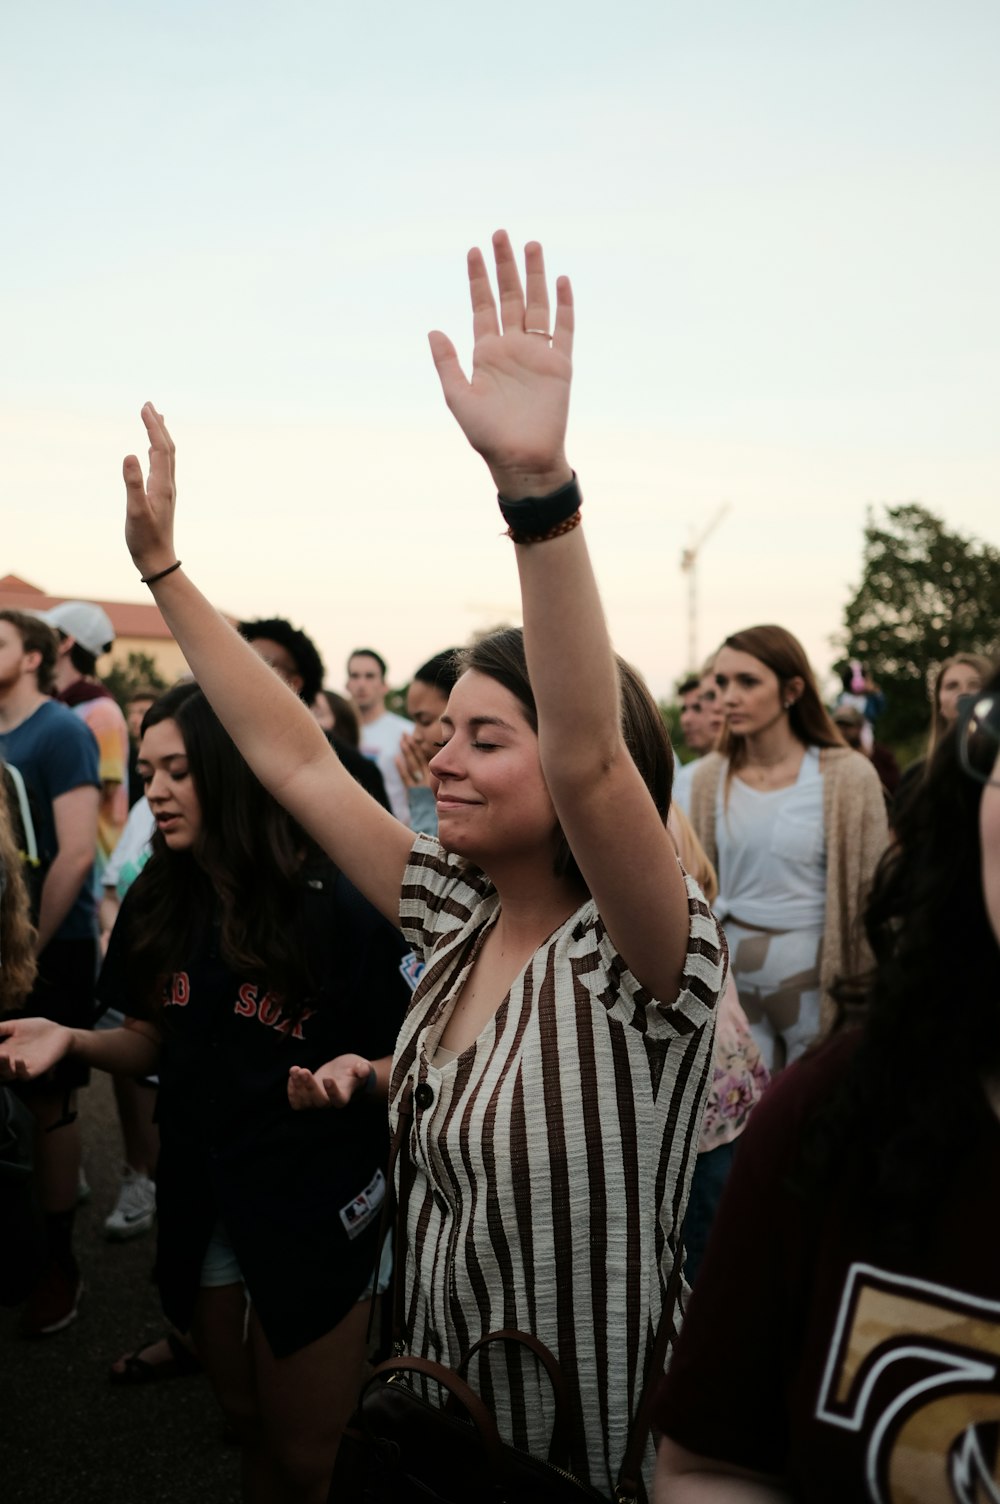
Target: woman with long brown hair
x=794, y=822
x=241, y=956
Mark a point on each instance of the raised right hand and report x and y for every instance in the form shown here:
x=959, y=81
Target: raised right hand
x=31, y=1046
x=149, y=508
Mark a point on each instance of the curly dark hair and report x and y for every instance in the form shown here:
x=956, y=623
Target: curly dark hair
x=297, y=645
x=911, y=1098
x=245, y=871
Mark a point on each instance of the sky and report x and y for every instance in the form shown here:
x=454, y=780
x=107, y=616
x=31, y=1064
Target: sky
x=781, y=223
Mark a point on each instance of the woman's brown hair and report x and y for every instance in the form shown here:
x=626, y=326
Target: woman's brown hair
x=245, y=871
x=17, y=936
x=500, y=656
x=785, y=656
x=983, y=668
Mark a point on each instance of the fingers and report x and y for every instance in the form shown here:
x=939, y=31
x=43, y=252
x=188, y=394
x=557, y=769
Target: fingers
x=484, y=310
x=509, y=284
x=450, y=373
x=536, y=309
x=562, y=335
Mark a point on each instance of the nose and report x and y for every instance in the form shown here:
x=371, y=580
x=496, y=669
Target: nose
x=156, y=788
x=444, y=763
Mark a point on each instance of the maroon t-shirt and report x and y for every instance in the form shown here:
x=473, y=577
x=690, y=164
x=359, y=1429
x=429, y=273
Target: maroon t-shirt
x=805, y=1356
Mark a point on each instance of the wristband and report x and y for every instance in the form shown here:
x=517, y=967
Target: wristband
x=152, y=578
x=536, y=516
x=369, y=1087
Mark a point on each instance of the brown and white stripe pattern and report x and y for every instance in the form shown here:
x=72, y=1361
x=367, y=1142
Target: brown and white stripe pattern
x=552, y=1158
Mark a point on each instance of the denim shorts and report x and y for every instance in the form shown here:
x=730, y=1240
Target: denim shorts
x=219, y=1266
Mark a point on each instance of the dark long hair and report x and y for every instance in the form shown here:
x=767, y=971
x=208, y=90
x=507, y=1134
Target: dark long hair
x=911, y=1100
x=500, y=656
x=785, y=656
x=244, y=872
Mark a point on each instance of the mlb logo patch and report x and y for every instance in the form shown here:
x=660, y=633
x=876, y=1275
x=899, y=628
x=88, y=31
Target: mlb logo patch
x=411, y=969
x=357, y=1214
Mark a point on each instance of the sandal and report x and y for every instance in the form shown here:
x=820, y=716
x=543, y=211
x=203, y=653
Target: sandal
x=138, y=1370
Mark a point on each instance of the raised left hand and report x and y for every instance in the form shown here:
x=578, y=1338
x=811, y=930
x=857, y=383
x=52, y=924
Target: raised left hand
x=514, y=409
x=149, y=508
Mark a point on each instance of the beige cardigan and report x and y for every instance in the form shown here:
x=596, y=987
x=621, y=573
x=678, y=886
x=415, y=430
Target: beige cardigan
x=857, y=833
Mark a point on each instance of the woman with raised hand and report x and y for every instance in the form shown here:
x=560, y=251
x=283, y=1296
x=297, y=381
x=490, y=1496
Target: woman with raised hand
x=560, y=1040
x=240, y=957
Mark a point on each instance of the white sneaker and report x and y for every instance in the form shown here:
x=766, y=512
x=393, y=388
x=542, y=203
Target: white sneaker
x=135, y=1208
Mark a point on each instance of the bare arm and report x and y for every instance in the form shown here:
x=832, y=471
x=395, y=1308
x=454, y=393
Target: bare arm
x=75, y=814
x=683, y=1477
x=31, y=1046
x=273, y=729
x=514, y=412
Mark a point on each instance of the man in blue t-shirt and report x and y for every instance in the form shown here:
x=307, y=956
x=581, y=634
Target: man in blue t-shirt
x=57, y=757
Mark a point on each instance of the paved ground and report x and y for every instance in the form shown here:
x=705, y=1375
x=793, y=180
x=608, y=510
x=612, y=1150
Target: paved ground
x=66, y=1435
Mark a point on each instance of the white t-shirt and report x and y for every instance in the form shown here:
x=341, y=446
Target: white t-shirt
x=681, y=792
x=132, y=851
x=380, y=742
x=772, y=851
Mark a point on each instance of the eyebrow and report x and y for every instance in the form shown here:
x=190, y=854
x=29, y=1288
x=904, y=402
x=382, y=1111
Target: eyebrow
x=480, y=720
x=144, y=762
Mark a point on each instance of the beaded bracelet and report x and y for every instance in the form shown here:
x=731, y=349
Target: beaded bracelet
x=532, y=519
x=566, y=526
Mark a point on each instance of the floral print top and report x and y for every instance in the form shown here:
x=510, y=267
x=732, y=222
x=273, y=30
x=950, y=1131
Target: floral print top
x=739, y=1075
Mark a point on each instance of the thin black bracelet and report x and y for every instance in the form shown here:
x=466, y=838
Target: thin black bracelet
x=371, y=1083
x=152, y=579
x=536, y=516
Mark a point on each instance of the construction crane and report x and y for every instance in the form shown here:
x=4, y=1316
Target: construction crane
x=689, y=566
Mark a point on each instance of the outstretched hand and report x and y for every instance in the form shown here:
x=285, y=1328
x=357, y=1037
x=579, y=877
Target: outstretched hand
x=30, y=1046
x=149, y=507
x=333, y=1085
x=514, y=409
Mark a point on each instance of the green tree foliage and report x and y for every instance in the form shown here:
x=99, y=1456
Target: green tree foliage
x=139, y=671
x=925, y=594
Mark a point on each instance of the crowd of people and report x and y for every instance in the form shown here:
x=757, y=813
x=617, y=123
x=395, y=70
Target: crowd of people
x=627, y=1018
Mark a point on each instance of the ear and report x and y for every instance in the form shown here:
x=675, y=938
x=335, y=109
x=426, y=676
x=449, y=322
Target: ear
x=32, y=660
x=296, y=682
x=66, y=645
x=792, y=690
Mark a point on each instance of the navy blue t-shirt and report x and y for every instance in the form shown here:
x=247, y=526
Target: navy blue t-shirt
x=55, y=752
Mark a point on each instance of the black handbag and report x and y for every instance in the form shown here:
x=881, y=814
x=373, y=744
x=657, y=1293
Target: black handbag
x=399, y=1447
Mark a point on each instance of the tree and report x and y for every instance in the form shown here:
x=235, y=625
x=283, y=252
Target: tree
x=925, y=594
x=138, y=672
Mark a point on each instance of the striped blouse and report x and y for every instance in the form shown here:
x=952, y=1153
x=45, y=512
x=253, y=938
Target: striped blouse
x=552, y=1157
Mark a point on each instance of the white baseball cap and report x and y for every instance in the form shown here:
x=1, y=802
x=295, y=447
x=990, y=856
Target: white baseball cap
x=86, y=623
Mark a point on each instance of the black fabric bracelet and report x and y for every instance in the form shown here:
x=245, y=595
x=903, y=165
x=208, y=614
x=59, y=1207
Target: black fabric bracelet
x=369, y=1087
x=535, y=515
x=152, y=579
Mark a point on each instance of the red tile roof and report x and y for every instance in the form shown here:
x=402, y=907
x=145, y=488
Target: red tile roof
x=129, y=618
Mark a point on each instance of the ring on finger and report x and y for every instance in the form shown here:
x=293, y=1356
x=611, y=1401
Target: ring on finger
x=543, y=332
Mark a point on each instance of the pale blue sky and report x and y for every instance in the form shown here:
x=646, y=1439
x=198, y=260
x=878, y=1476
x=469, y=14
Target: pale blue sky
x=781, y=223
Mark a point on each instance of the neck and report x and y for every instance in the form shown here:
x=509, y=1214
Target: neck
x=66, y=675
x=772, y=744
x=372, y=713
x=19, y=702
x=533, y=902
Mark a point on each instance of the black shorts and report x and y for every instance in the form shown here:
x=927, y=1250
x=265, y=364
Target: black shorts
x=63, y=992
